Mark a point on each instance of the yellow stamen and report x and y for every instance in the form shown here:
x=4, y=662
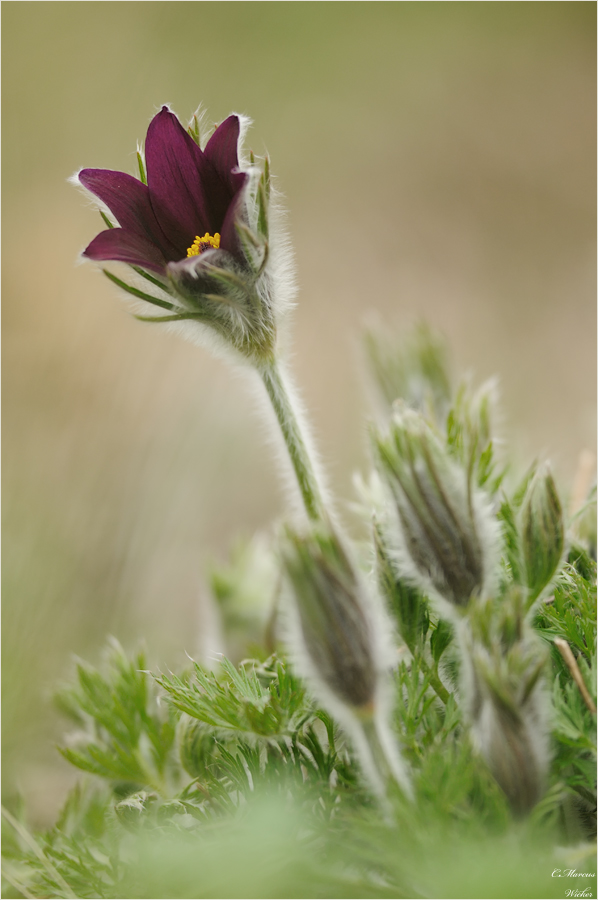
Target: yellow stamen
x=207, y=242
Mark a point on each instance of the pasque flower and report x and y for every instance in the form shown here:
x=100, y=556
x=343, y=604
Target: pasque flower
x=198, y=223
x=188, y=206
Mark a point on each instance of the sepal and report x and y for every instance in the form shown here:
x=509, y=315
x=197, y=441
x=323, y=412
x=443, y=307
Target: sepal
x=231, y=299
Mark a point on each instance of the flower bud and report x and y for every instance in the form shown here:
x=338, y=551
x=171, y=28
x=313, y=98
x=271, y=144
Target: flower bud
x=196, y=746
x=335, y=630
x=134, y=812
x=341, y=651
x=506, y=703
x=513, y=745
x=543, y=537
x=417, y=372
x=446, y=536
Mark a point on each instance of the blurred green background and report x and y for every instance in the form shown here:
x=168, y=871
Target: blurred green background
x=437, y=161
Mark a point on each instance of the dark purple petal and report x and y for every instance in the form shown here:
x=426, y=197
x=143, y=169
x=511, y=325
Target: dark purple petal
x=221, y=150
x=179, y=181
x=220, y=196
x=229, y=239
x=124, y=246
x=129, y=200
x=189, y=192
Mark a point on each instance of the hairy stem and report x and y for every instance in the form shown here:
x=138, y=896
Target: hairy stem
x=289, y=425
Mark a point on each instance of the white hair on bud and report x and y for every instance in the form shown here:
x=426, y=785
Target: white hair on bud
x=490, y=537
x=281, y=261
x=371, y=496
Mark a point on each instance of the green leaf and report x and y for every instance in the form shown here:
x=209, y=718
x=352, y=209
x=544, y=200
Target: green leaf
x=262, y=203
x=136, y=292
x=150, y=278
x=141, y=168
x=440, y=639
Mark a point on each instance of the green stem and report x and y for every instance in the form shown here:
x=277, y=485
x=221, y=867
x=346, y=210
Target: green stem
x=289, y=425
x=434, y=680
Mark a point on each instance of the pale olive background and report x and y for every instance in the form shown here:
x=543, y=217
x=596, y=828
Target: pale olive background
x=437, y=161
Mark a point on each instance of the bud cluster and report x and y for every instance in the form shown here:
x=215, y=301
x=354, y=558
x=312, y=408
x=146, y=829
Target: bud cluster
x=445, y=542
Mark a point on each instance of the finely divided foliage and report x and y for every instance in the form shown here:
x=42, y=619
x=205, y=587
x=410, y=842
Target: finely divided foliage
x=411, y=717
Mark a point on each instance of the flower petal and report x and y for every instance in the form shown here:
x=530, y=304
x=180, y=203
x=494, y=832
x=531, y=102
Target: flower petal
x=221, y=150
x=179, y=181
x=124, y=246
x=229, y=239
x=129, y=200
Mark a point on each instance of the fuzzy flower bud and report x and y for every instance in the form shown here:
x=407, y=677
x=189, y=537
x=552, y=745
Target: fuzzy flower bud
x=506, y=702
x=543, y=536
x=336, y=633
x=196, y=226
x=446, y=537
x=417, y=372
x=340, y=649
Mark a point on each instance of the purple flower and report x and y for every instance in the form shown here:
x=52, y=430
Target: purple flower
x=201, y=226
x=191, y=203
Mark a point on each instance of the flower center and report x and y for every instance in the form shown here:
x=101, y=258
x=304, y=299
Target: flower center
x=207, y=242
